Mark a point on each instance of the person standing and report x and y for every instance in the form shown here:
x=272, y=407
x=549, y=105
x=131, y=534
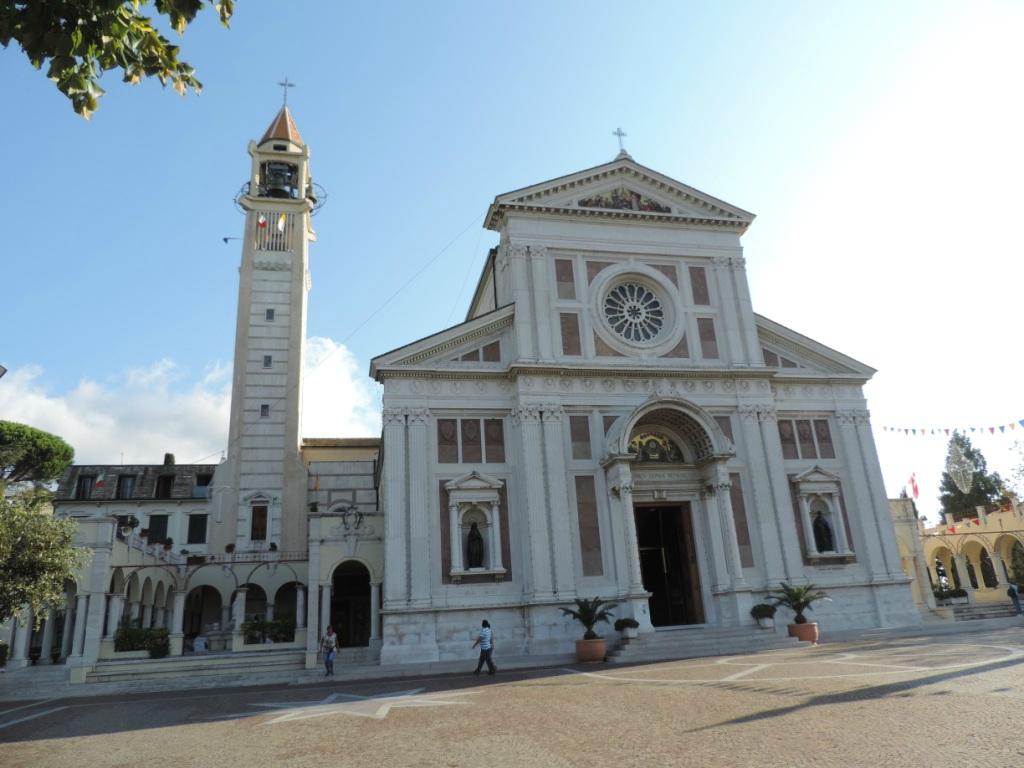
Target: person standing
x=1014, y=595
x=329, y=648
x=486, y=642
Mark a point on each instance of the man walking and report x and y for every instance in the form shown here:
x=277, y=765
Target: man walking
x=486, y=642
x=1014, y=596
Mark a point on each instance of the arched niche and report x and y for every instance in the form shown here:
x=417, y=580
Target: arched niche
x=474, y=525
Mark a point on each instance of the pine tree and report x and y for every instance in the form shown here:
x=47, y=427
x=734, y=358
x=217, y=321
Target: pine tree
x=986, y=488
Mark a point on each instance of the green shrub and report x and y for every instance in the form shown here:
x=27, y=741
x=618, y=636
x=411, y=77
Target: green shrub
x=626, y=623
x=945, y=594
x=763, y=611
x=156, y=641
x=277, y=631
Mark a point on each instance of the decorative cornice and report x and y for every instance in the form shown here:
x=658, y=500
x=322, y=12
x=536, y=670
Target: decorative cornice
x=615, y=213
x=484, y=330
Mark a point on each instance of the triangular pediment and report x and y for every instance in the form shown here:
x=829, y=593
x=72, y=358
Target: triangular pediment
x=794, y=354
x=474, y=481
x=815, y=475
x=483, y=342
x=620, y=188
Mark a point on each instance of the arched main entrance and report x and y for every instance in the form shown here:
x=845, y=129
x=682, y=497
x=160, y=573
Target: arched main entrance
x=350, y=604
x=670, y=459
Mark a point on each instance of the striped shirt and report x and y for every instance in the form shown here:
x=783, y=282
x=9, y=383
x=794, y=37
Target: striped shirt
x=485, y=639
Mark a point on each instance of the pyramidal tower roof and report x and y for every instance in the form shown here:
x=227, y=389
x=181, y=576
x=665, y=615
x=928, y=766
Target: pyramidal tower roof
x=283, y=128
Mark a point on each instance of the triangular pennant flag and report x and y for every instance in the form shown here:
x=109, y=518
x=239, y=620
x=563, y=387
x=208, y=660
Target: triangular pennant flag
x=1002, y=427
x=947, y=431
x=1021, y=422
x=991, y=430
x=976, y=521
x=952, y=529
x=914, y=431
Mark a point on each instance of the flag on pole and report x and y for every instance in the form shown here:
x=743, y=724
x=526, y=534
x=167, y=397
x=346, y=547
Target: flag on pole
x=261, y=221
x=913, y=485
x=281, y=222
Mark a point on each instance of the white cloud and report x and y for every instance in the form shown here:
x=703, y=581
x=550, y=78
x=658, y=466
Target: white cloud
x=142, y=413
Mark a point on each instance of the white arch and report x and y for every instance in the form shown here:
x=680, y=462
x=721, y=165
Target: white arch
x=691, y=422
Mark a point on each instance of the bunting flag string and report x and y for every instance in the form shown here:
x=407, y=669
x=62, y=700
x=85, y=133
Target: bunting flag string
x=1010, y=428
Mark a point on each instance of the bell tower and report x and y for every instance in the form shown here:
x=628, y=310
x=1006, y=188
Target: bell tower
x=267, y=477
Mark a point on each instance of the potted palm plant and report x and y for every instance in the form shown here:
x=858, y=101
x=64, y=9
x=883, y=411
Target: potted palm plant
x=798, y=598
x=589, y=612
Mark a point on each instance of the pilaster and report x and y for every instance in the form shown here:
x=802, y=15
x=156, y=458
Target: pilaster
x=419, y=507
x=562, y=550
x=539, y=273
x=858, y=494
x=528, y=417
x=525, y=328
x=396, y=506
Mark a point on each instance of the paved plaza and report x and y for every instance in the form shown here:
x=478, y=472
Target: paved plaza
x=956, y=700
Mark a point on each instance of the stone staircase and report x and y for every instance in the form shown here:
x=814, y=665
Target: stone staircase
x=982, y=611
x=253, y=666
x=694, y=642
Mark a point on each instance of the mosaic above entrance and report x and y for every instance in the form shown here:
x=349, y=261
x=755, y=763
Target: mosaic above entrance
x=652, y=448
x=625, y=199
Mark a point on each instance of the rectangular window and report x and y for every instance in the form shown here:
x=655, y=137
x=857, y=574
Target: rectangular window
x=579, y=433
x=157, y=529
x=699, y=284
x=739, y=513
x=492, y=352
x=83, y=488
x=270, y=315
x=770, y=358
x=447, y=441
x=265, y=411
x=494, y=441
x=725, y=423
x=824, y=436
x=590, y=531
x=570, y=333
x=164, y=486
x=471, y=443
x=806, y=438
x=203, y=480
x=564, y=278
x=125, y=486
x=268, y=361
x=708, y=342
x=788, y=438
x=258, y=531
x=196, y=529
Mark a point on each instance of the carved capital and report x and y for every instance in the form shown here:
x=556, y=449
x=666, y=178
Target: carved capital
x=391, y=416
x=737, y=263
x=758, y=412
x=417, y=415
x=623, y=490
x=552, y=411
x=501, y=258
x=525, y=413
x=853, y=417
x=516, y=251
x=538, y=252
x=721, y=261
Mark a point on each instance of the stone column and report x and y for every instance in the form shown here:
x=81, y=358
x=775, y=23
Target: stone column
x=858, y=493
x=300, y=606
x=562, y=549
x=496, y=562
x=396, y=509
x=177, y=628
x=455, y=536
x=270, y=611
x=225, y=617
x=420, y=552
x=22, y=639
x=539, y=274
x=525, y=329
x=147, y=616
x=778, y=486
x=160, y=618
x=46, y=646
x=67, y=634
x=805, y=515
x=1000, y=570
x=374, y=612
x=312, y=592
x=719, y=570
x=81, y=614
x=538, y=530
x=238, y=609
x=960, y=563
x=325, y=609
x=114, y=615
x=727, y=523
x=839, y=529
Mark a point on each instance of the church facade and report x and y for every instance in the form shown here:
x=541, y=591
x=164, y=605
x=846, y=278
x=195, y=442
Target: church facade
x=611, y=419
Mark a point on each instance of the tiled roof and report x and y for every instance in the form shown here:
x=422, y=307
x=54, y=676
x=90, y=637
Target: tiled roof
x=283, y=128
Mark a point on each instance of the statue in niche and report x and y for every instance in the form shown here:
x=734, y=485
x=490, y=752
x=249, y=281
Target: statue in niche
x=654, y=448
x=823, y=533
x=474, y=548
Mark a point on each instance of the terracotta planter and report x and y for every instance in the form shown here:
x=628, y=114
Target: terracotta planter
x=591, y=650
x=807, y=632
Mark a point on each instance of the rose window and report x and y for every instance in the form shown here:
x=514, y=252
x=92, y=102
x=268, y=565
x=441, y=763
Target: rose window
x=634, y=312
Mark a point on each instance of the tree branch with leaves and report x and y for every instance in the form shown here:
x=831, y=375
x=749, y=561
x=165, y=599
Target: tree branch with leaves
x=79, y=40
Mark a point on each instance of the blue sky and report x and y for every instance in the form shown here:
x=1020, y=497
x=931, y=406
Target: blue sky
x=877, y=142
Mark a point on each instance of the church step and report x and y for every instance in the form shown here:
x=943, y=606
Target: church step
x=979, y=612
x=221, y=664
x=695, y=643
x=251, y=670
